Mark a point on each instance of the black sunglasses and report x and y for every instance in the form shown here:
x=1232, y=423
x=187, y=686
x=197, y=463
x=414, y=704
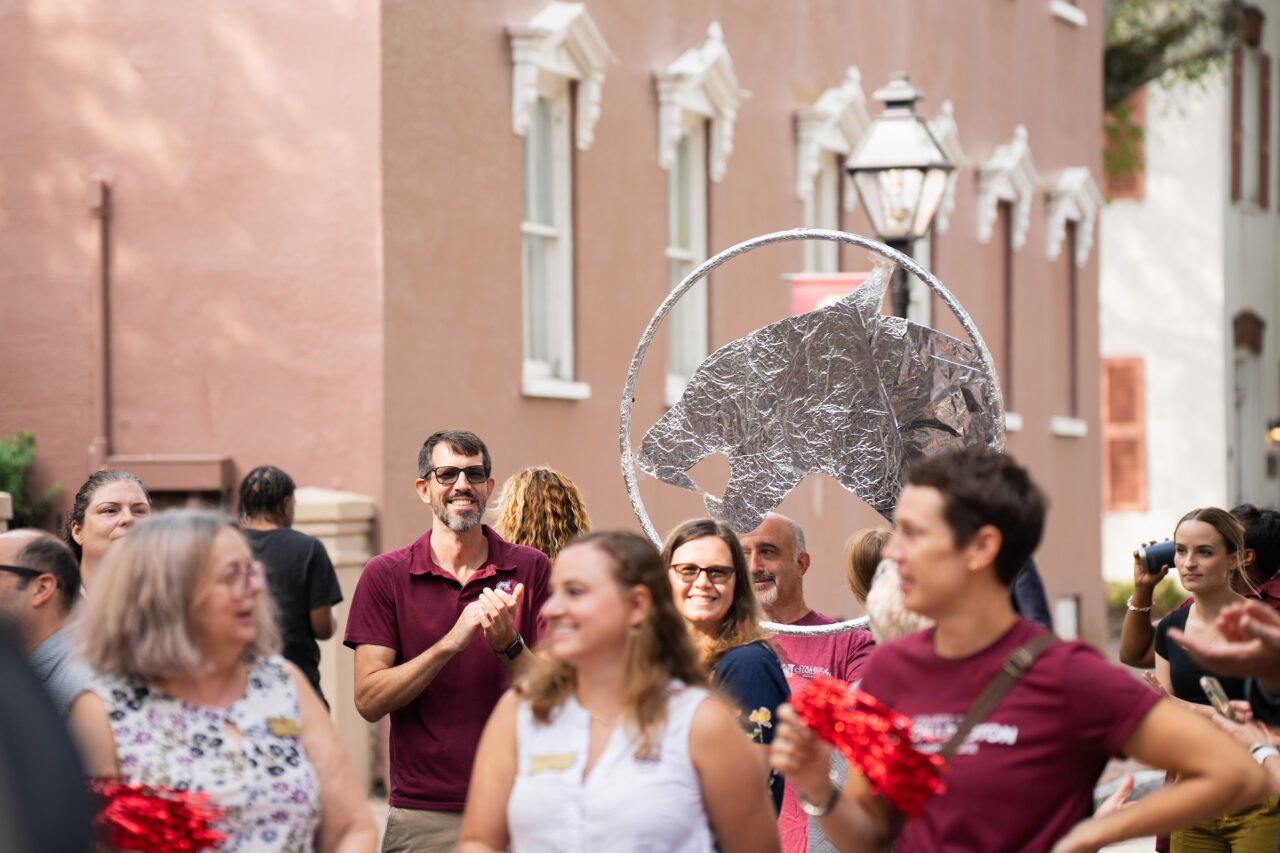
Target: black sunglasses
x=23, y=571
x=447, y=475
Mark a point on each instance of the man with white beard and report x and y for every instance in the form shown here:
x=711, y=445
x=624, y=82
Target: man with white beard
x=439, y=629
x=777, y=559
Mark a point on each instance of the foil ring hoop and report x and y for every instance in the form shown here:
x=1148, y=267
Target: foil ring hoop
x=991, y=388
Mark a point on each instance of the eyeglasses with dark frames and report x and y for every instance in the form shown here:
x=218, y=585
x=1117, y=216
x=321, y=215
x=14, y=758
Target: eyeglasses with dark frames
x=23, y=571
x=689, y=572
x=447, y=475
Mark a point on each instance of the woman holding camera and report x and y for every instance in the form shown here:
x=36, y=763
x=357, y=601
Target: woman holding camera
x=1208, y=547
x=613, y=742
x=965, y=523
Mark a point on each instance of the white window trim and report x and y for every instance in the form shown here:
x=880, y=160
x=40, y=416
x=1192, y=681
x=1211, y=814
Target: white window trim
x=539, y=378
x=835, y=123
x=1008, y=176
x=562, y=42
x=558, y=47
x=697, y=299
x=943, y=127
x=1068, y=427
x=1012, y=422
x=1074, y=197
x=1069, y=12
x=700, y=82
x=823, y=256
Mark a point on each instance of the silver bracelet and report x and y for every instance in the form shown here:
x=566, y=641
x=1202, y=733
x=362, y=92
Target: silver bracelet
x=819, y=811
x=1262, y=751
x=1129, y=604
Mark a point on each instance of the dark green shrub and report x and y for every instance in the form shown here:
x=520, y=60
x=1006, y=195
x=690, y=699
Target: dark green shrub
x=17, y=453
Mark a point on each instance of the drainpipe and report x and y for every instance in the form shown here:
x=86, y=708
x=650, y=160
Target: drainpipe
x=100, y=444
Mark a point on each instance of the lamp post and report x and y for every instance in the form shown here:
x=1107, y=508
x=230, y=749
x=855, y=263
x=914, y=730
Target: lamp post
x=900, y=172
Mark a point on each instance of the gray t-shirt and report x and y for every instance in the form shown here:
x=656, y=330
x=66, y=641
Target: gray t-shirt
x=64, y=675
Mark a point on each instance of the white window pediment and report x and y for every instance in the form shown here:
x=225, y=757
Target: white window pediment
x=835, y=122
x=700, y=83
x=1073, y=198
x=943, y=127
x=562, y=42
x=1008, y=176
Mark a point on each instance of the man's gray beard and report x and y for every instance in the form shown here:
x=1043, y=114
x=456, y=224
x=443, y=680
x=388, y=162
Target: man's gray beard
x=768, y=599
x=461, y=525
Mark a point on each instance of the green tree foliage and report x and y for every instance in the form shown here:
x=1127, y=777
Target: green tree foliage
x=17, y=453
x=1169, y=40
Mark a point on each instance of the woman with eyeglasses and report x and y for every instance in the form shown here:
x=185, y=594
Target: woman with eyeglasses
x=612, y=741
x=712, y=589
x=191, y=692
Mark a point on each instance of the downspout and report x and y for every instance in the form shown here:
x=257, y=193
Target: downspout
x=100, y=444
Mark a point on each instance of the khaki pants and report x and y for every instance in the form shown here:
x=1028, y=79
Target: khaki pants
x=418, y=831
x=1252, y=830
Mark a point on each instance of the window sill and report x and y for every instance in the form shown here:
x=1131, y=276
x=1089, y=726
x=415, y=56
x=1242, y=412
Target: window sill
x=1068, y=12
x=1012, y=422
x=554, y=389
x=1068, y=427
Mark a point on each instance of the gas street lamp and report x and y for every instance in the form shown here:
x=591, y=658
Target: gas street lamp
x=900, y=173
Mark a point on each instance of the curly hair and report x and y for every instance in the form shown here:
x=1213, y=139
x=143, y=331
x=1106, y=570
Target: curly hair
x=657, y=651
x=741, y=625
x=541, y=508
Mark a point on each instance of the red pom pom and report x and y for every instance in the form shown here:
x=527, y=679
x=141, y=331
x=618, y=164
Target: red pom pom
x=152, y=820
x=874, y=738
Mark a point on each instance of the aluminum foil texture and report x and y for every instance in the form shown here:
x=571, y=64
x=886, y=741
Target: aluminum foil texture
x=842, y=390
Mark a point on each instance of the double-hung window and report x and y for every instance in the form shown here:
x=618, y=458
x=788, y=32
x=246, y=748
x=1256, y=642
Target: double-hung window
x=686, y=248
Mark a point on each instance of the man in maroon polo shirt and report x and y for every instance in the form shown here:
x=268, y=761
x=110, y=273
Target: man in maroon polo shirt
x=777, y=558
x=439, y=628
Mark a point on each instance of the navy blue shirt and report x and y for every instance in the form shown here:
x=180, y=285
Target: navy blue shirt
x=752, y=677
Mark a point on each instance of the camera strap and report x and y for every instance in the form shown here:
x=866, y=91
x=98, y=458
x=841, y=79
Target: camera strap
x=1014, y=667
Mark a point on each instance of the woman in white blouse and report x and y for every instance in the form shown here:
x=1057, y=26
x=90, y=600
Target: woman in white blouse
x=614, y=743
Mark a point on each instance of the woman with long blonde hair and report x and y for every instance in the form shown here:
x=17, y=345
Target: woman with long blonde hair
x=613, y=742
x=541, y=508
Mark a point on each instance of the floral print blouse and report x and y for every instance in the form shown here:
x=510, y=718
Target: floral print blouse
x=248, y=757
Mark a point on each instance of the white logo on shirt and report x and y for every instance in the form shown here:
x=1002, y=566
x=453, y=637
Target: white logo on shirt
x=504, y=586
x=929, y=732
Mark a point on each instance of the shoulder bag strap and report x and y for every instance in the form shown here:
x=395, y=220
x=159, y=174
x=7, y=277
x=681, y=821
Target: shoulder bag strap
x=1015, y=666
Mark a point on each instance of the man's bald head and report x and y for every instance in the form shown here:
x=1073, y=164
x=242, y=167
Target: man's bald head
x=776, y=556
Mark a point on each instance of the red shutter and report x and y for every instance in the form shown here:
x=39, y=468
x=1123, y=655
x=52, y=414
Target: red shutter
x=1237, y=117
x=1264, y=129
x=1124, y=440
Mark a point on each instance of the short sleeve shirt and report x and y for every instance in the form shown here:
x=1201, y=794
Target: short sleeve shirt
x=1025, y=775
x=752, y=677
x=405, y=601
x=301, y=578
x=803, y=658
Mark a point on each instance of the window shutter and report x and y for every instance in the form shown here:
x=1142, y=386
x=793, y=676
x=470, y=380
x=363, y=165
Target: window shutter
x=1237, y=118
x=1264, y=130
x=1124, y=450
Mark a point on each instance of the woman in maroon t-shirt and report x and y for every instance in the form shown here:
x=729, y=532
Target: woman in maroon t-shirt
x=1022, y=780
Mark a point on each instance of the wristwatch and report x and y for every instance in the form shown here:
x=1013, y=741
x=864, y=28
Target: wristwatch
x=819, y=811
x=512, y=651
x=1262, y=751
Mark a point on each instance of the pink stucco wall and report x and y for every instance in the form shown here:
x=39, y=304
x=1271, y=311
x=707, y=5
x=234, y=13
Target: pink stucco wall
x=452, y=172
x=241, y=143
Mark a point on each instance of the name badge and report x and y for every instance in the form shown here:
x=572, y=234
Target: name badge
x=284, y=727
x=558, y=761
